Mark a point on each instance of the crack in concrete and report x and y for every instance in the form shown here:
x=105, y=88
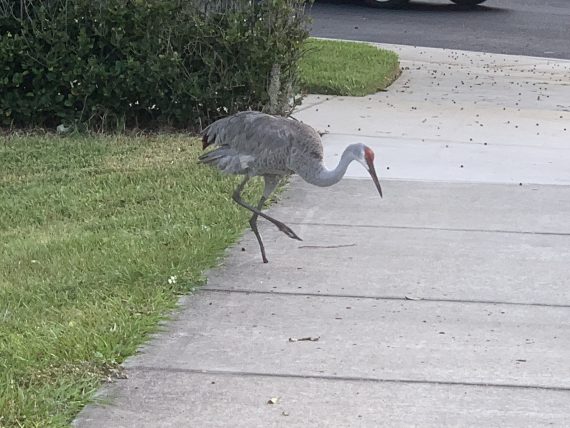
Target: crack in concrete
x=443, y=229
x=348, y=378
x=415, y=299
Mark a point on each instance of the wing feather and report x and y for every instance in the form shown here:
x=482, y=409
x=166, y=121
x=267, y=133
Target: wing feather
x=257, y=143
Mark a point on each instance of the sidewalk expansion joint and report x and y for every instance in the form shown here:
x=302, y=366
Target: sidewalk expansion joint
x=439, y=141
x=442, y=229
x=368, y=297
x=348, y=378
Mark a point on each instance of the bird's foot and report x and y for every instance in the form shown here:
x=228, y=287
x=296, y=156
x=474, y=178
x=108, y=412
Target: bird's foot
x=287, y=231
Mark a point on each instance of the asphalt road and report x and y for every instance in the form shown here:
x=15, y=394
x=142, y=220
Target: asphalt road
x=521, y=27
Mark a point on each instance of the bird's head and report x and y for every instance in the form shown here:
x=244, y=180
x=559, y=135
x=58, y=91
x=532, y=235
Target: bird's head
x=365, y=155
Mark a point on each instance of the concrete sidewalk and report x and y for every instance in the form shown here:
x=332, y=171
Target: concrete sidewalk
x=458, y=116
x=447, y=303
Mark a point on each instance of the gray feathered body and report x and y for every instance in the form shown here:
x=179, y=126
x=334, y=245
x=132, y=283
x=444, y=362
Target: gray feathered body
x=254, y=143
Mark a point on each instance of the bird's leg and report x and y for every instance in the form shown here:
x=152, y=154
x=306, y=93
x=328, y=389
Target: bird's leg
x=271, y=186
x=253, y=225
x=271, y=183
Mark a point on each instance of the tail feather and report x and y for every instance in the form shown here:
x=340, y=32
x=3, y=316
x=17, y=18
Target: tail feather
x=209, y=157
x=205, y=142
x=208, y=137
x=216, y=154
x=211, y=133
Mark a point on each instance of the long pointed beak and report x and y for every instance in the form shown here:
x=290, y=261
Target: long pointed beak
x=372, y=172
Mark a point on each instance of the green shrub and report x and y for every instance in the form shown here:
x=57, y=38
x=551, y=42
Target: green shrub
x=111, y=64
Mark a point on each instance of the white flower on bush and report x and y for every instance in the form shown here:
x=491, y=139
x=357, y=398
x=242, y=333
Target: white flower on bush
x=172, y=279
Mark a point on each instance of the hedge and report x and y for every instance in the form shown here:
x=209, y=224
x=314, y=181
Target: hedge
x=116, y=64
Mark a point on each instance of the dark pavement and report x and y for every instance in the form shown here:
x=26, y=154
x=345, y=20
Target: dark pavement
x=520, y=27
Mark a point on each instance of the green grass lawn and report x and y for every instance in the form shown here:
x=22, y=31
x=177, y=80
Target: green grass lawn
x=91, y=230
x=346, y=68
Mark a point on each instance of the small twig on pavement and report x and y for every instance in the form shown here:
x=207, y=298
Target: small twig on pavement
x=303, y=339
x=328, y=246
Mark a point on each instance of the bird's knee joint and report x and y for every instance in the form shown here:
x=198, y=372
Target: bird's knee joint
x=253, y=221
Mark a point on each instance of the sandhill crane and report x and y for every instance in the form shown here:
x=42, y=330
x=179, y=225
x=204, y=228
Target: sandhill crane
x=251, y=144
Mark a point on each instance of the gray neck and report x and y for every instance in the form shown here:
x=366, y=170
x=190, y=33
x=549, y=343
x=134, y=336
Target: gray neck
x=324, y=177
